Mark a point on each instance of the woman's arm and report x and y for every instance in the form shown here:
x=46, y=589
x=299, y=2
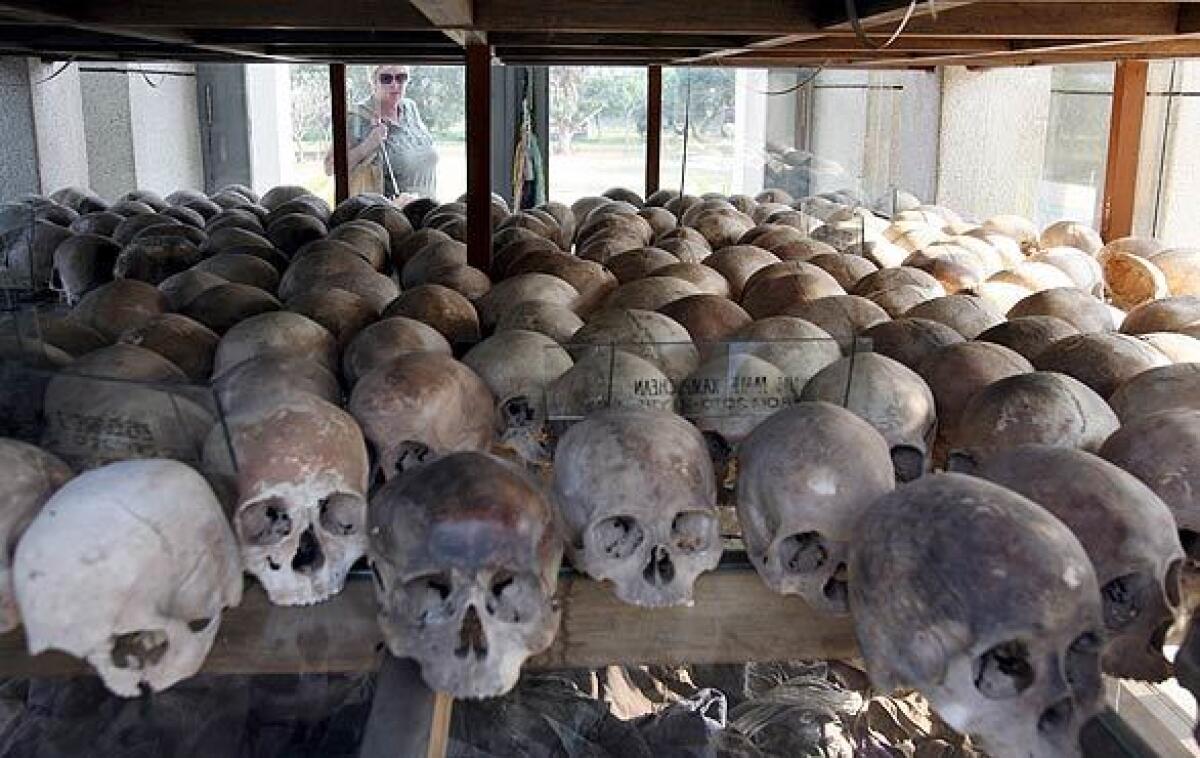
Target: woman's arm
x=360, y=152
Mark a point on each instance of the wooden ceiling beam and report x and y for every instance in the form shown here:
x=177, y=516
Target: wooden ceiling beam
x=1111, y=50
x=1021, y=20
x=454, y=17
x=235, y=14
x=754, y=17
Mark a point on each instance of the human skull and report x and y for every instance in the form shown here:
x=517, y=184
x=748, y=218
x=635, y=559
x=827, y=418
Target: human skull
x=421, y=405
x=82, y=263
x=1163, y=451
x=890, y=397
x=466, y=560
x=518, y=366
x=1128, y=533
x=129, y=567
x=280, y=334
x=636, y=500
x=28, y=477
x=301, y=481
x=650, y=335
x=986, y=604
x=607, y=378
x=387, y=340
x=804, y=477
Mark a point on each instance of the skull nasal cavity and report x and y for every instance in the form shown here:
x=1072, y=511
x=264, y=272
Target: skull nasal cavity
x=660, y=570
x=471, y=636
x=308, y=556
x=1004, y=671
x=803, y=553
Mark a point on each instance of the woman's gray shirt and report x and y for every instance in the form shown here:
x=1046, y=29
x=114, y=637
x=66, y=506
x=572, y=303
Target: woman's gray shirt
x=409, y=147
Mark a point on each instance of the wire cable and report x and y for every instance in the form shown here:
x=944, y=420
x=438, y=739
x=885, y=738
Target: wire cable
x=856, y=24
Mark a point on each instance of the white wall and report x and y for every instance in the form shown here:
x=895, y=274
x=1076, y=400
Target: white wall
x=839, y=124
x=992, y=139
x=165, y=125
x=1169, y=166
x=58, y=126
x=750, y=130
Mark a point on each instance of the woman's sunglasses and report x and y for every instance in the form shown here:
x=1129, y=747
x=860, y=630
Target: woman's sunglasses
x=389, y=78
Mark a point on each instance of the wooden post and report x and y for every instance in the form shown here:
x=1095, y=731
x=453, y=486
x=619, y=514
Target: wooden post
x=653, y=127
x=341, y=154
x=479, y=156
x=1124, y=143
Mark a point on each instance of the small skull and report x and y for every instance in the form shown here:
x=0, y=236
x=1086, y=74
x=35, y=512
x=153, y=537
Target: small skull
x=466, y=563
x=986, y=604
x=636, y=497
x=129, y=567
x=1127, y=531
x=301, y=495
x=419, y=406
x=805, y=475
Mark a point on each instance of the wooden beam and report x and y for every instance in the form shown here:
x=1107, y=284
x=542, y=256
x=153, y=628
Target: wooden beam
x=1072, y=52
x=653, y=127
x=735, y=619
x=758, y=17
x=479, y=156
x=341, y=155
x=1124, y=144
x=454, y=17
x=232, y=14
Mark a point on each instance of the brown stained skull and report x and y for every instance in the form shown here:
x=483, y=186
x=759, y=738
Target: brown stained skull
x=420, y=406
x=302, y=471
x=279, y=334
x=636, y=499
x=466, y=560
x=518, y=366
x=804, y=477
x=1127, y=531
x=986, y=604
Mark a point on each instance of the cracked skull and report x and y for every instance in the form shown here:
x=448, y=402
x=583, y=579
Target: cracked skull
x=987, y=604
x=129, y=567
x=465, y=559
x=805, y=475
x=301, y=495
x=636, y=497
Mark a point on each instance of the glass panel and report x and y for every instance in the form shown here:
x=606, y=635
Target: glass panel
x=307, y=130
x=597, y=130
x=1072, y=184
x=1168, y=186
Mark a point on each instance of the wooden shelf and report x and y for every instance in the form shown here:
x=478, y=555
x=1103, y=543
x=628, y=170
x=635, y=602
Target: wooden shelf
x=735, y=619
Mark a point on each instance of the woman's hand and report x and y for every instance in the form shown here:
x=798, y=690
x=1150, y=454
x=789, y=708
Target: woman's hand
x=376, y=136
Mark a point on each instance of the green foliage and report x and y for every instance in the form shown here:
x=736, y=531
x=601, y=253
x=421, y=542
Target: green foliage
x=712, y=99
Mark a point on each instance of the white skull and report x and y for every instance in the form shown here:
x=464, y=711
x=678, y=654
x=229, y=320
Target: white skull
x=518, y=366
x=985, y=603
x=129, y=567
x=28, y=477
x=302, y=473
x=466, y=560
x=636, y=498
x=805, y=475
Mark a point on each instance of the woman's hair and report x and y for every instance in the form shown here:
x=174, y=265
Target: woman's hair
x=376, y=69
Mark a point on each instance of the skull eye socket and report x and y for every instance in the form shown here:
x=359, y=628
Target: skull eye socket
x=512, y=597
x=138, y=650
x=1173, y=580
x=618, y=537
x=427, y=596
x=803, y=553
x=1191, y=544
x=1004, y=671
x=265, y=522
x=690, y=531
x=1124, y=600
x=342, y=514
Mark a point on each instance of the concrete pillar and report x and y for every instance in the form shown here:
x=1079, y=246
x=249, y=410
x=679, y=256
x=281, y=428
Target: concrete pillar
x=109, y=135
x=58, y=125
x=916, y=149
x=164, y=124
x=269, y=119
x=839, y=131
x=18, y=154
x=992, y=141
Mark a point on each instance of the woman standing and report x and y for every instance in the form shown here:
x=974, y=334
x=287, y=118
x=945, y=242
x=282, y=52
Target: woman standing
x=390, y=149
